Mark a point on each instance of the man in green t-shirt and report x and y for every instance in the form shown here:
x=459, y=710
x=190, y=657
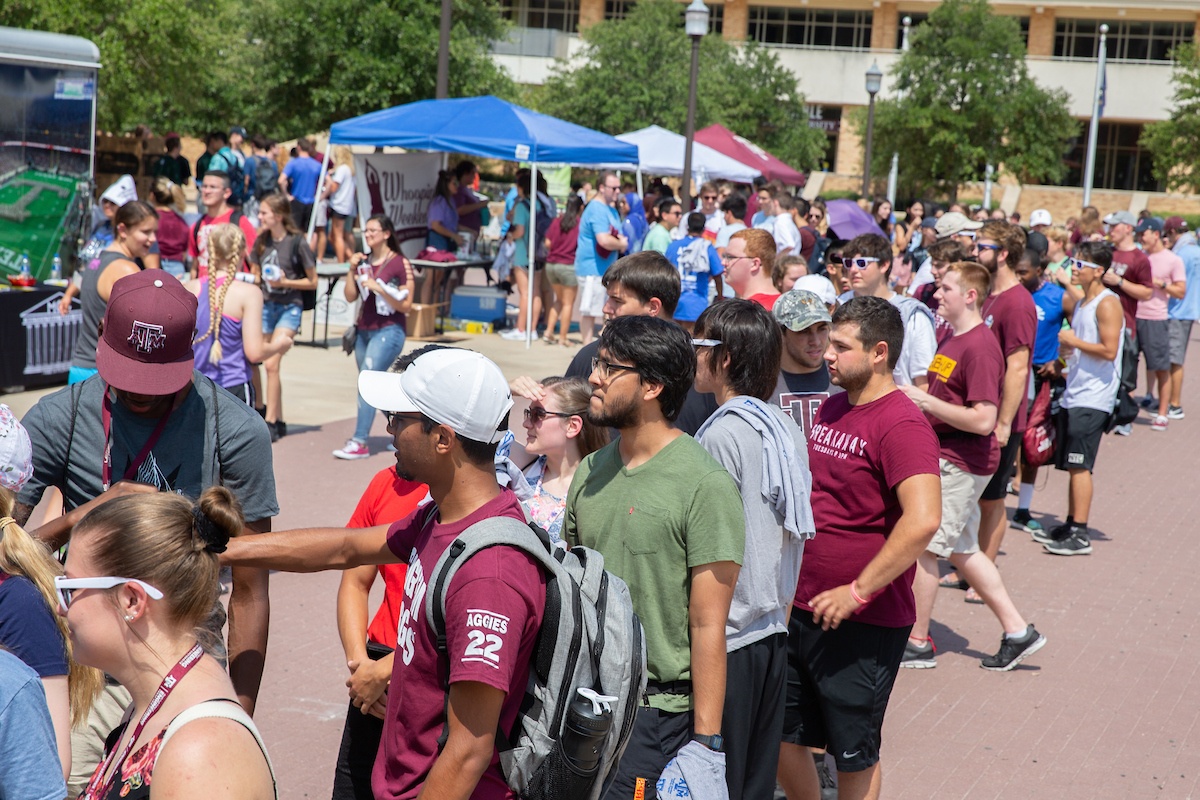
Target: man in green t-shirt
x=658, y=238
x=668, y=520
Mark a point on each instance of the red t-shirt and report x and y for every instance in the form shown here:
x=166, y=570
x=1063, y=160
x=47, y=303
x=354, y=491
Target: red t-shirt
x=562, y=243
x=968, y=368
x=494, y=608
x=1134, y=267
x=1012, y=316
x=388, y=498
x=765, y=300
x=198, y=245
x=858, y=455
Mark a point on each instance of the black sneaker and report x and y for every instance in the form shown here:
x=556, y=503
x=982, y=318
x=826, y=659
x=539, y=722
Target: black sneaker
x=1055, y=534
x=1077, y=544
x=281, y=428
x=1014, y=651
x=271, y=429
x=826, y=778
x=1023, y=521
x=919, y=656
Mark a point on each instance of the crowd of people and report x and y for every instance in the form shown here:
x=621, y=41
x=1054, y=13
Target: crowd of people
x=751, y=366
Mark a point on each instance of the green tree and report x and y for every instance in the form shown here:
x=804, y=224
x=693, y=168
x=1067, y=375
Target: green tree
x=1174, y=143
x=164, y=64
x=633, y=72
x=962, y=97
x=320, y=61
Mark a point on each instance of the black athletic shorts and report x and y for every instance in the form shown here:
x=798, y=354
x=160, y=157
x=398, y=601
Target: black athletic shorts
x=1079, y=433
x=998, y=487
x=839, y=683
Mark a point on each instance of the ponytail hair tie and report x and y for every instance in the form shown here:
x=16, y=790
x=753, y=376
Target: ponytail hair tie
x=215, y=540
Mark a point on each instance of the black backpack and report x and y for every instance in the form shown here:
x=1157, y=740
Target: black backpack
x=266, y=177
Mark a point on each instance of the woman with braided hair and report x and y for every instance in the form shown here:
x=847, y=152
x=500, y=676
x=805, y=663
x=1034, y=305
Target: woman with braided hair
x=232, y=339
x=141, y=580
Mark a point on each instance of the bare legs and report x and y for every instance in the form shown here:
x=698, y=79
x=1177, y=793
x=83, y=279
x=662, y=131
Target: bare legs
x=526, y=295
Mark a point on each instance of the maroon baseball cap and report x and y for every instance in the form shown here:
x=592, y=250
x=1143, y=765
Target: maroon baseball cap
x=145, y=345
x=1175, y=224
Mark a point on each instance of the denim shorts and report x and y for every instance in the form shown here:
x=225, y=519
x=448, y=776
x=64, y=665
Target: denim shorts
x=280, y=315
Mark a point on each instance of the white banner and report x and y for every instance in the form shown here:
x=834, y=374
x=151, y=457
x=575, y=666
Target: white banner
x=400, y=185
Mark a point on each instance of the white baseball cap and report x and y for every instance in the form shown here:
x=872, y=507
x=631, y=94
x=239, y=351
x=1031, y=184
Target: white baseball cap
x=819, y=285
x=121, y=191
x=1040, y=216
x=459, y=388
x=16, y=452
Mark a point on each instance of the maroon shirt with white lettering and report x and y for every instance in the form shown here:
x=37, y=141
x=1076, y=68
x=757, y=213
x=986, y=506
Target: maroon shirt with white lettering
x=494, y=608
x=858, y=455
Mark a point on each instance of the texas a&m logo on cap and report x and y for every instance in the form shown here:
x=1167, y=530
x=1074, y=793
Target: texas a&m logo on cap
x=146, y=337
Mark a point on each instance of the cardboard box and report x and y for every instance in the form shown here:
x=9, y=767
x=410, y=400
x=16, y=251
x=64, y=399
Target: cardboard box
x=422, y=320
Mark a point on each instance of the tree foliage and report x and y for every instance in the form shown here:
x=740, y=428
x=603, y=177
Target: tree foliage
x=1174, y=143
x=962, y=98
x=634, y=72
x=282, y=67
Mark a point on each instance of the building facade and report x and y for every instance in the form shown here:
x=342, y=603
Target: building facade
x=838, y=40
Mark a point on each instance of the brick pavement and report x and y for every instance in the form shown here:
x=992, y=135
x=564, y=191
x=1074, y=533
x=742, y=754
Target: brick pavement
x=1106, y=710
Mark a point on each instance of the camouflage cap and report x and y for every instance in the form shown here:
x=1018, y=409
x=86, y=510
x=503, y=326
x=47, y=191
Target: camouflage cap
x=799, y=309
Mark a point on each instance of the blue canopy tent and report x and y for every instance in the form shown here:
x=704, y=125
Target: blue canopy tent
x=486, y=127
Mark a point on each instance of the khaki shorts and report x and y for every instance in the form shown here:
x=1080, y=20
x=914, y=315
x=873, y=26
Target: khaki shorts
x=959, y=531
x=562, y=274
x=592, y=296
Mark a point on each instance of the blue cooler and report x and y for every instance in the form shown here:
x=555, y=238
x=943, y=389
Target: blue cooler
x=479, y=303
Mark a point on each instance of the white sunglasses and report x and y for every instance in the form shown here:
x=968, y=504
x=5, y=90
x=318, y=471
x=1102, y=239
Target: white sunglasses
x=705, y=342
x=65, y=587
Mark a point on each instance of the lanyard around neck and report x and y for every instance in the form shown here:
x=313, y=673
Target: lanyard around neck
x=136, y=464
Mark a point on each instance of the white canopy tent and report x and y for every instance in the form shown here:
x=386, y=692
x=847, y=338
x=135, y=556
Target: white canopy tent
x=660, y=152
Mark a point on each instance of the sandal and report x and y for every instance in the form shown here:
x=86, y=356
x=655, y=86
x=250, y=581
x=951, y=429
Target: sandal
x=946, y=583
x=548, y=339
x=973, y=597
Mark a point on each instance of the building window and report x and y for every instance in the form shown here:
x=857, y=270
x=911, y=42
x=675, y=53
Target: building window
x=827, y=119
x=919, y=19
x=1127, y=41
x=555, y=15
x=618, y=9
x=802, y=27
x=1121, y=163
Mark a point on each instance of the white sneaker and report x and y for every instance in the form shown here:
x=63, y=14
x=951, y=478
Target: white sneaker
x=1123, y=430
x=513, y=335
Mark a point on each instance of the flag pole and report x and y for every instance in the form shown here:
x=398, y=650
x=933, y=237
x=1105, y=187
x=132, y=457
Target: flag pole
x=1089, y=172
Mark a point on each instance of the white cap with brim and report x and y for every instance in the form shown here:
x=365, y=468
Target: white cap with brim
x=459, y=388
x=121, y=191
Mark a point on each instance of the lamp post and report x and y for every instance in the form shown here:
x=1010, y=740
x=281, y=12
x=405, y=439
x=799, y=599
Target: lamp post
x=894, y=174
x=1089, y=170
x=696, y=25
x=874, y=83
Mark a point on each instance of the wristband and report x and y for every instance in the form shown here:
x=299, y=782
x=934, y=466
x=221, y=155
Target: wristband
x=854, y=593
x=245, y=277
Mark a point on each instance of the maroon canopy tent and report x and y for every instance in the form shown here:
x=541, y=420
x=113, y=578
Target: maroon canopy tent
x=720, y=138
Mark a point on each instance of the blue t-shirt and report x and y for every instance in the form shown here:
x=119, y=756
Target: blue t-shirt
x=697, y=260
x=1188, y=306
x=597, y=218
x=30, y=768
x=1048, y=300
x=27, y=628
x=302, y=174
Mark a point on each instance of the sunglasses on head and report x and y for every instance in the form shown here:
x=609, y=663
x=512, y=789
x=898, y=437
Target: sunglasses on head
x=859, y=262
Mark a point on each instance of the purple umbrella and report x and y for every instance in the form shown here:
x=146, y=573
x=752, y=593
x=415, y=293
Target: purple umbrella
x=847, y=219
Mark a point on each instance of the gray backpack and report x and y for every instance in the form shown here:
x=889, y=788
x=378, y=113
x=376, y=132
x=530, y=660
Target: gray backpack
x=590, y=639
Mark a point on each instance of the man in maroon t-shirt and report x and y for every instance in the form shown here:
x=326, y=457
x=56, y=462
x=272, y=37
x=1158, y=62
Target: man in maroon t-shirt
x=1012, y=315
x=876, y=501
x=1132, y=278
x=962, y=402
x=446, y=413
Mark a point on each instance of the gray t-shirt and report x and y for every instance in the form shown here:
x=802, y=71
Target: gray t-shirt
x=771, y=564
x=30, y=766
x=292, y=255
x=185, y=459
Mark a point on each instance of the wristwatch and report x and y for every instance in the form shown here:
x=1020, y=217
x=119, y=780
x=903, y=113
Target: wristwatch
x=716, y=742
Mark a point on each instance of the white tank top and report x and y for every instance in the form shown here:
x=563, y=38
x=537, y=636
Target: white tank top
x=1091, y=381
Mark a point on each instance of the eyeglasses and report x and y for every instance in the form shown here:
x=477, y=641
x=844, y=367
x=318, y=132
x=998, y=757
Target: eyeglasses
x=706, y=342
x=967, y=234
x=65, y=587
x=979, y=247
x=860, y=263
x=372, y=230
x=709, y=197
x=728, y=259
x=816, y=217
x=396, y=418
x=1079, y=263
x=605, y=368
x=536, y=415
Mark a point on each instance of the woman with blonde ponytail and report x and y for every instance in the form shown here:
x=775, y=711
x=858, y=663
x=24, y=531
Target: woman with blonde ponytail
x=29, y=626
x=231, y=338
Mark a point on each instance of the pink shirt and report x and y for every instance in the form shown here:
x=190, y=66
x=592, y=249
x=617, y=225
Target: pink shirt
x=494, y=608
x=1164, y=266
